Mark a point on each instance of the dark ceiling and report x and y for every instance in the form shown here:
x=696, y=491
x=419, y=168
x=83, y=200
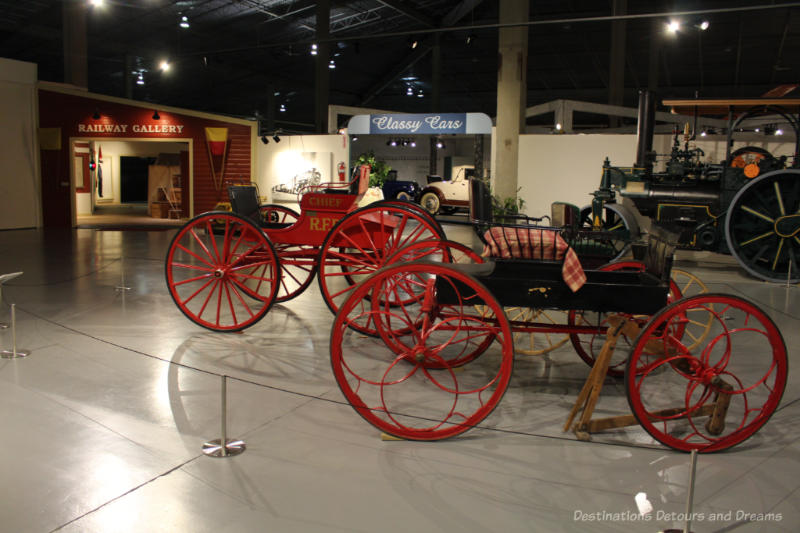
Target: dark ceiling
x=237, y=52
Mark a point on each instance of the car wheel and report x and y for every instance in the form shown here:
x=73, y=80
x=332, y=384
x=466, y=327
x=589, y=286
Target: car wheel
x=404, y=196
x=430, y=201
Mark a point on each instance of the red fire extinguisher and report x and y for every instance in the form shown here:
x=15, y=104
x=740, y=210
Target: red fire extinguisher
x=341, y=171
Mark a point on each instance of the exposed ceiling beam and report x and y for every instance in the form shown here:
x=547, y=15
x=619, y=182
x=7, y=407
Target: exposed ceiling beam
x=459, y=12
x=419, y=52
x=409, y=11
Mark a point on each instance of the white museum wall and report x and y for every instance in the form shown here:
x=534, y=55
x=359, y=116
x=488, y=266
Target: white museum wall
x=566, y=168
x=112, y=151
x=20, y=185
x=280, y=162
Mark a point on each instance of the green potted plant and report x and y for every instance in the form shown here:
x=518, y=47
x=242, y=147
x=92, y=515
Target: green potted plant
x=379, y=169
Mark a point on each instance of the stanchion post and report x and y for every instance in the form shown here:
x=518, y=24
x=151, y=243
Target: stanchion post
x=122, y=287
x=224, y=447
x=3, y=279
x=14, y=353
x=690, y=495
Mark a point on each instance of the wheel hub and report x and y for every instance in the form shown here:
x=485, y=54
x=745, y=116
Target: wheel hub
x=219, y=273
x=788, y=226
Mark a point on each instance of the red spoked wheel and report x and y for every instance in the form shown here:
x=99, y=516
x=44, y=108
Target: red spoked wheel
x=588, y=345
x=278, y=215
x=360, y=243
x=298, y=262
x=416, y=392
x=416, y=208
x=222, y=272
x=412, y=288
x=717, y=394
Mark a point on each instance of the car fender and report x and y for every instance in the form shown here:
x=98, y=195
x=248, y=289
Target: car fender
x=439, y=193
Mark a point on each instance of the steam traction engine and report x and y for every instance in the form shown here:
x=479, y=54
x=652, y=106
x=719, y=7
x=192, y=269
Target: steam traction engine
x=747, y=205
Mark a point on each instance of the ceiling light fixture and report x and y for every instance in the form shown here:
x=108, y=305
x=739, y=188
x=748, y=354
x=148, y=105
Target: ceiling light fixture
x=96, y=3
x=414, y=43
x=410, y=91
x=282, y=109
x=420, y=94
x=779, y=131
x=156, y=116
x=704, y=25
x=276, y=138
x=413, y=143
x=164, y=65
x=332, y=64
x=264, y=139
x=439, y=144
x=96, y=115
x=184, y=22
x=140, y=79
x=313, y=50
x=354, y=138
x=673, y=26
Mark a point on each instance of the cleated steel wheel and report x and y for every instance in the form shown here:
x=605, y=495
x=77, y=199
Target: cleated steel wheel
x=763, y=226
x=413, y=381
x=222, y=272
x=717, y=394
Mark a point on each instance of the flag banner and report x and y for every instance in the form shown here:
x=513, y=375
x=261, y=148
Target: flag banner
x=217, y=144
x=217, y=138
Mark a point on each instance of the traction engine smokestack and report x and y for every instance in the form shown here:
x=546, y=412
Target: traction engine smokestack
x=645, y=126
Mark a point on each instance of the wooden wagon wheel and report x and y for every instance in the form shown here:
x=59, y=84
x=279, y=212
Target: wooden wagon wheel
x=415, y=392
x=720, y=392
x=222, y=271
x=537, y=343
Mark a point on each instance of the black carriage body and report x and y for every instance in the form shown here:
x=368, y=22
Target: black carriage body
x=539, y=284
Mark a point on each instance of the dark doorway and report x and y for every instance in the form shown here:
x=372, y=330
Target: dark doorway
x=133, y=179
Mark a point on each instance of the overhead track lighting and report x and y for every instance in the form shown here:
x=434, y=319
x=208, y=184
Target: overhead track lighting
x=313, y=50
x=264, y=139
x=332, y=64
x=276, y=138
x=703, y=25
x=282, y=109
x=184, y=23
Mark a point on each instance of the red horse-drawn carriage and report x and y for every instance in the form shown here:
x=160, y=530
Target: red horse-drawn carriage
x=422, y=345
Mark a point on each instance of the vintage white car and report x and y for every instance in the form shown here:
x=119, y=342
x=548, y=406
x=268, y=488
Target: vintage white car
x=447, y=195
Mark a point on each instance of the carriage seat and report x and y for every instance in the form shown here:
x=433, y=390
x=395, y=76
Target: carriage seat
x=565, y=215
x=519, y=242
x=245, y=202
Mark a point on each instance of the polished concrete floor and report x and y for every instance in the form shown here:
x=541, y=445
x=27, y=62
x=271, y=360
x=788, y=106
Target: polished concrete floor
x=103, y=423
